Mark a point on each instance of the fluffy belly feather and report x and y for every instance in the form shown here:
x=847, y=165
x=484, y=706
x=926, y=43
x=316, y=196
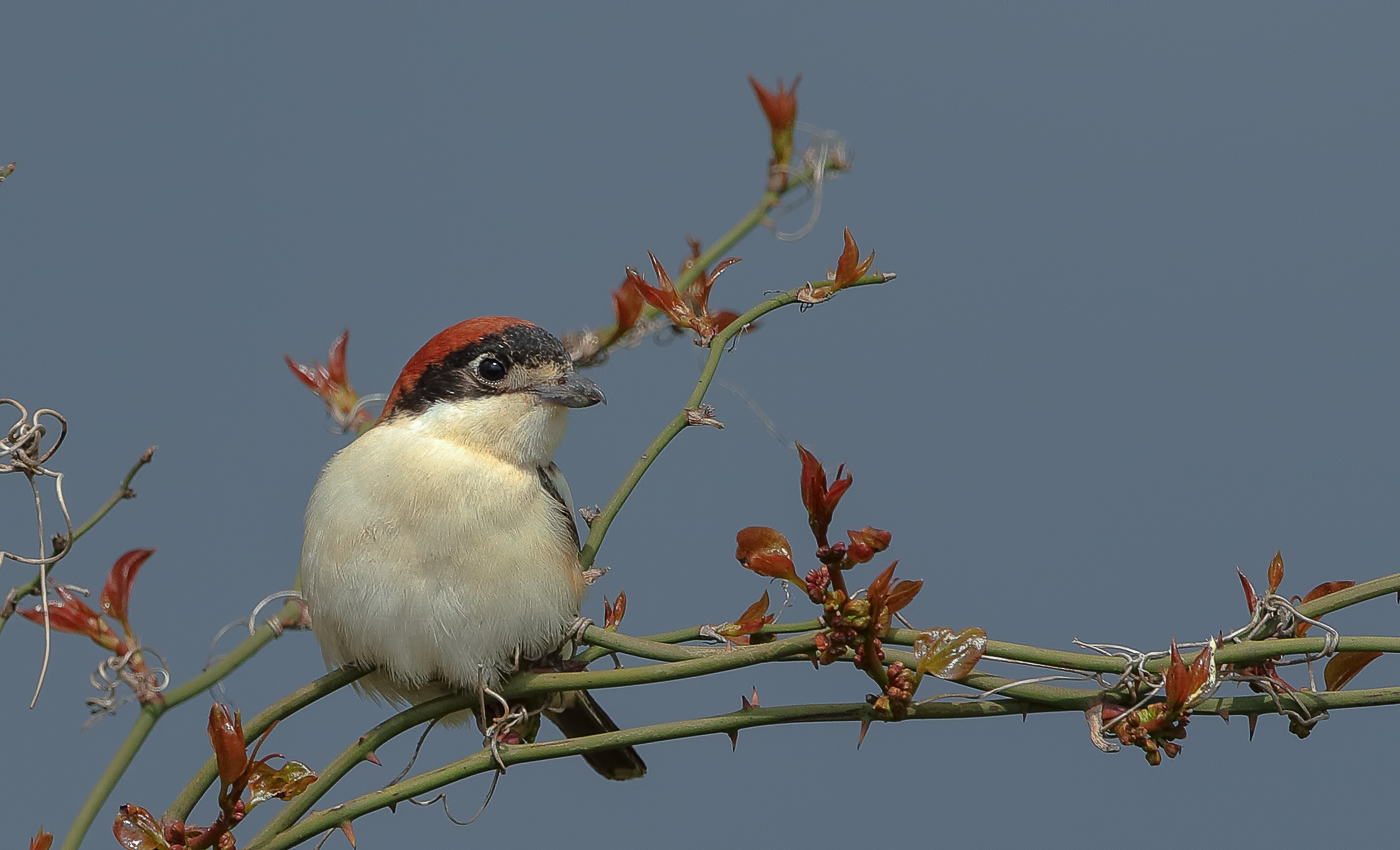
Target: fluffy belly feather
x=440, y=587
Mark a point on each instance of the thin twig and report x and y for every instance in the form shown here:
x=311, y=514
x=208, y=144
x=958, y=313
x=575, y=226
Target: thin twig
x=151, y=713
x=32, y=588
x=481, y=761
x=599, y=528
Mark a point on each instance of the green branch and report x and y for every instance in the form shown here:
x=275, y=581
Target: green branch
x=357, y=753
x=599, y=529
x=286, y=835
x=153, y=711
x=753, y=218
x=124, y=492
x=605, y=642
x=1382, y=586
x=686, y=662
x=529, y=684
x=145, y=722
x=290, y=704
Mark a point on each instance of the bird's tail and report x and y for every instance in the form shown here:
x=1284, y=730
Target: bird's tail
x=577, y=714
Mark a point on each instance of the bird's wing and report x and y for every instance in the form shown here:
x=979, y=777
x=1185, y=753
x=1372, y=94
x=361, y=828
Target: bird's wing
x=554, y=484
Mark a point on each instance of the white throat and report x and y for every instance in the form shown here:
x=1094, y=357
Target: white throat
x=517, y=427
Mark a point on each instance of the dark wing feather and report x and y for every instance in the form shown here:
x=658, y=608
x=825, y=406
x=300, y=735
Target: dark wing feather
x=552, y=480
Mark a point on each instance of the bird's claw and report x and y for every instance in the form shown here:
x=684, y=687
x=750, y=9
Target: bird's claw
x=576, y=630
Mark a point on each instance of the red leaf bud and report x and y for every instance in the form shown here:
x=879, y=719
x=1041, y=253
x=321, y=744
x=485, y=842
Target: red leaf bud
x=226, y=736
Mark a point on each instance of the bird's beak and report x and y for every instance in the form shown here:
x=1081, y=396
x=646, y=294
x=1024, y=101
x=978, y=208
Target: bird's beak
x=572, y=390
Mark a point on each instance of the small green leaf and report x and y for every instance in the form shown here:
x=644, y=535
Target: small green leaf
x=283, y=783
x=949, y=655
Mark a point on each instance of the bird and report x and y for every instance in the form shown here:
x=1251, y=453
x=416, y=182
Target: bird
x=440, y=549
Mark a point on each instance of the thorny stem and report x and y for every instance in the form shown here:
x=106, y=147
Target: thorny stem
x=529, y=684
x=686, y=662
x=482, y=761
x=522, y=685
x=153, y=711
x=650, y=648
x=357, y=753
x=123, y=492
x=1246, y=653
x=603, y=642
x=604, y=519
x=689, y=661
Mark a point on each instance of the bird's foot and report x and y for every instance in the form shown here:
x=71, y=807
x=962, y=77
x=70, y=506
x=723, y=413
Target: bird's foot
x=575, y=632
x=502, y=729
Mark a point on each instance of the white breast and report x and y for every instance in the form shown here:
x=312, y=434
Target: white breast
x=437, y=564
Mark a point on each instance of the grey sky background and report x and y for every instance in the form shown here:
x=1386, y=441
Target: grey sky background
x=1143, y=333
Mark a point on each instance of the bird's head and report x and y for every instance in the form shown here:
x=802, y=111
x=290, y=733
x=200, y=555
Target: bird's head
x=497, y=384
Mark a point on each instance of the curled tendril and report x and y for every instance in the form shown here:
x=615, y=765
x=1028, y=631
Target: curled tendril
x=826, y=152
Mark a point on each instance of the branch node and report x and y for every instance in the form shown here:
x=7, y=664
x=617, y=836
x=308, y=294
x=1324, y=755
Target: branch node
x=702, y=415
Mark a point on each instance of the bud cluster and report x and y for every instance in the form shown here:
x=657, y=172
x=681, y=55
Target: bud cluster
x=898, y=697
x=240, y=774
x=854, y=623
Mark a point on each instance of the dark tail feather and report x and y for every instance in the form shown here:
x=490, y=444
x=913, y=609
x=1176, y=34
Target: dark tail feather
x=581, y=715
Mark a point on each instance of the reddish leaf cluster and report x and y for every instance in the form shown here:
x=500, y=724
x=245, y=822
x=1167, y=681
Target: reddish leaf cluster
x=853, y=623
x=239, y=773
x=331, y=384
x=69, y=613
x=746, y=628
x=1156, y=728
x=1340, y=669
x=688, y=309
x=780, y=108
x=819, y=499
x=849, y=269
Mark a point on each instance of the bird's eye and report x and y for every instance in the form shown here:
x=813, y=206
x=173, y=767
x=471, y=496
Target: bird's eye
x=491, y=369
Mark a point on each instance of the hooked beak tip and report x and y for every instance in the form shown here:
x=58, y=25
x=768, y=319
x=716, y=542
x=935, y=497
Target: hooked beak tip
x=573, y=390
